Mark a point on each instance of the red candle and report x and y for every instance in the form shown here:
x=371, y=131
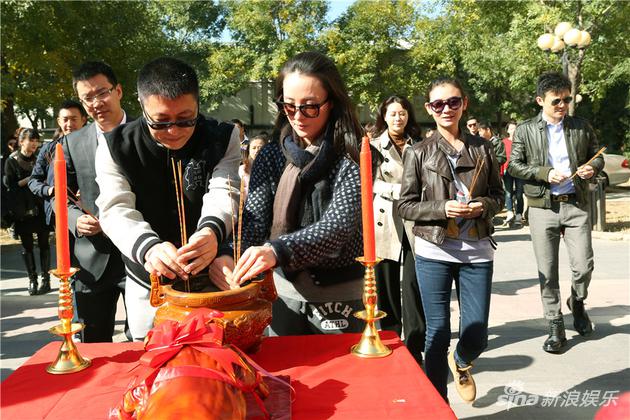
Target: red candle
x=61, y=212
x=367, y=209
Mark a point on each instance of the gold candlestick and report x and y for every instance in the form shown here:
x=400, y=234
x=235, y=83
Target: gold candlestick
x=68, y=359
x=370, y=345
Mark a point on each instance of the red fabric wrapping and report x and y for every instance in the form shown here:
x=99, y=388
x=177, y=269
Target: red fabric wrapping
x=164, y=343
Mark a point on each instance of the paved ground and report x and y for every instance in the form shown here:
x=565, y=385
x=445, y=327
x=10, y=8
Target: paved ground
x=511, y=374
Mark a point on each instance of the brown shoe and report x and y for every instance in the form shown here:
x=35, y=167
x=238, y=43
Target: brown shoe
x=464, y=382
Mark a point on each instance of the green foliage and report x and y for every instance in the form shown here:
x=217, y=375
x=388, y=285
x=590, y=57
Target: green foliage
x=370, y=44
x=43, y=41
x=381, y=47
x=265, y=34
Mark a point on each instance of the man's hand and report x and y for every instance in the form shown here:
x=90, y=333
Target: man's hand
x=161, y=260
x=555, y=177
x=254, y=261
x=585, y=172
x=88, y=225
x=199, y=252
x=51, y=190
x=220, y=272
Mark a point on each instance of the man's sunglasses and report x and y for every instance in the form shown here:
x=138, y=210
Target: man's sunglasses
x=567, y=100
x=158, y=125
x=454, y=103
x=308, y=110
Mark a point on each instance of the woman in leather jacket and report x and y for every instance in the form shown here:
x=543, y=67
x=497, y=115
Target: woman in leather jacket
x=451, y=189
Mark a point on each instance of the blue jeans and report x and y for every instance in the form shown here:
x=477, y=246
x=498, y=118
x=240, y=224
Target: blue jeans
x=513, y=192
x=474, y=282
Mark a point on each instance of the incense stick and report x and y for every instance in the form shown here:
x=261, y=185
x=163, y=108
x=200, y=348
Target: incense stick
x=589, y=161
x=179, y=194
x=233, y=217
x=177, y=197
x=240, y=217
x=478, y=167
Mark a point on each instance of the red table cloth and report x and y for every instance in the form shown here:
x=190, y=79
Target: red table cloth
x=329, y=382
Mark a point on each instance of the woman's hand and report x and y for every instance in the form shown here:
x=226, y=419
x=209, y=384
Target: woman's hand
x=453, y=209
x=476, y=210
x=221, y=272
x=254, y=261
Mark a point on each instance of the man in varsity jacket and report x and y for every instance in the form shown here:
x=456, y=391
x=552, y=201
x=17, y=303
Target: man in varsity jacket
x=138, y=201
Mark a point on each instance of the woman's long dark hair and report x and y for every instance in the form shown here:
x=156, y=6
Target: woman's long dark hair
x=347, y=130
x=412, y=129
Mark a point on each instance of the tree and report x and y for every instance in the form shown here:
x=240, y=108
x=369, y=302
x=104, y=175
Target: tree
x=370, y=43
x=43, y=41
x=265, y=33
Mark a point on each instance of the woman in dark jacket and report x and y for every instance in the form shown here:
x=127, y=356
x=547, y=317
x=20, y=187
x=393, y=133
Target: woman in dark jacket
x=451, y=189
x=302, y=217
x=28, y=210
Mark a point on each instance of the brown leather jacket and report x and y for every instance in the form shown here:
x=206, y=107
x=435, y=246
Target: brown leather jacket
x=427, y=184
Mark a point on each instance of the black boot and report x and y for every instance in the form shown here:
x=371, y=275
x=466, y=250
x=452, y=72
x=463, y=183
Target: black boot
x=581, y=321
x=44, y=262
x=557, y=338
x=29, y=262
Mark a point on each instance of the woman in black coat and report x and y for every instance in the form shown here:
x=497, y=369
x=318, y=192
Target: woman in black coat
x=28, y=210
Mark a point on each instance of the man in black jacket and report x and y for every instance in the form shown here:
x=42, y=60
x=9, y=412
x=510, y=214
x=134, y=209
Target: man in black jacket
x=139, y=198
x=552, y=153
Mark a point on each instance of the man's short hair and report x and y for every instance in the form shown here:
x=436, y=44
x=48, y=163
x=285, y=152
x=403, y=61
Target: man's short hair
x=167, y=77
x=90, y=69
x=471, y=117
x=69, y=104
x=507, y=124
x=552, y=82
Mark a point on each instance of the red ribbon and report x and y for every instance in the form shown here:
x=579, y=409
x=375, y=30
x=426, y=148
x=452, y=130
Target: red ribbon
x=197, y=331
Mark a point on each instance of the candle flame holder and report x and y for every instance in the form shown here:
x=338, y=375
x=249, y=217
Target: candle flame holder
x=68, y=359
x=370, y=345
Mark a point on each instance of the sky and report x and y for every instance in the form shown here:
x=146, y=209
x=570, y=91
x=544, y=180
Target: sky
x=336, y=8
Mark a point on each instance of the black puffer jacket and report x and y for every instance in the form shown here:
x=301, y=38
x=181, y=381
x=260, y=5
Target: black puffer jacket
x=529, y=158
x=427, y=185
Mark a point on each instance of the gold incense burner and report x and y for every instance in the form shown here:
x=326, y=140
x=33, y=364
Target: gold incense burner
x=246, y=310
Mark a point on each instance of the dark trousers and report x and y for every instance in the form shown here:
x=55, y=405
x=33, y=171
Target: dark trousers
x=436, y=281
x=513, y=193
x=408, y=317
x=96, y=307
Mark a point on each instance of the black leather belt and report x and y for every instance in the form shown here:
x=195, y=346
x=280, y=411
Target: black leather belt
x=563, y=197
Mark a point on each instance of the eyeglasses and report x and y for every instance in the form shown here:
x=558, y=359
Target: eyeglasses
x=471, y=125
x=159, y=125
x=567, y=100
x=100, y=96
x=308, y=110
x=454, y=103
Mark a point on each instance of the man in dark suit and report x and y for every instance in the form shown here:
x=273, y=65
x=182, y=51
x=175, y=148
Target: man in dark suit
x=71, y=117
x=101, y=278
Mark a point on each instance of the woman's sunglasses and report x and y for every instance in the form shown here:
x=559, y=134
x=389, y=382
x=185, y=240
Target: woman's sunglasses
x=567, y=100
x=308, y=110
x=454, y=103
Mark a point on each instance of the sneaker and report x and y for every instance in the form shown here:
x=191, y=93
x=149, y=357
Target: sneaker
x=464, y=382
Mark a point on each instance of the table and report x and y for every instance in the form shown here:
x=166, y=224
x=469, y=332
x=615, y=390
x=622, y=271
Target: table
x=330, y=383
